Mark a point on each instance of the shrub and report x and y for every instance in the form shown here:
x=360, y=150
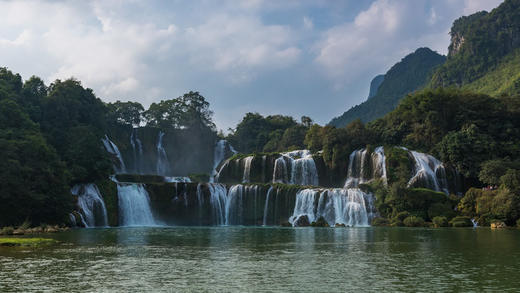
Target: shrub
x=413, y=221
x=518, y=223
x=379, y=222
x=461, y=221
x=440, y=221
x=7, y=231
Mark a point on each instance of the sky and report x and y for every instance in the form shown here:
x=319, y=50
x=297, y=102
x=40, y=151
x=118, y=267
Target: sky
x=313, y=58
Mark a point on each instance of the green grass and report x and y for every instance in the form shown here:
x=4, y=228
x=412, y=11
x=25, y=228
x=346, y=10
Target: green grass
x=13, y=241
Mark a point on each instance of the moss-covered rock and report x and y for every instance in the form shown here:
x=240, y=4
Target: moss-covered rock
x=108, y=190
x=302, y=221
x=320, y=222
x=413, y=221
x=439, y=222
x=461, y=221
x=33, y=242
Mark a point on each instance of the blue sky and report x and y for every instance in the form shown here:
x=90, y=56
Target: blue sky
x=313, y=58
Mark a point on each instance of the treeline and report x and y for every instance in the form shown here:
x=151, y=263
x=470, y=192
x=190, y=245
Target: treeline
x=50, y=138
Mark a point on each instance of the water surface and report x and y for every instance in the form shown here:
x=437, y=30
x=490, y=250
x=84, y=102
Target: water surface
x=245, y=259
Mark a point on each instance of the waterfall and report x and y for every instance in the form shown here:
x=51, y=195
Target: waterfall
x=247, y=169
x=280, y=173
x=302, y=166
x=379, y=164
x=137, y=148
x=134, y=205
x=356, y=168
x=218, y=196
x=162, y=159
x=218, y=156
x=336, y=206
x=234, y=205
x=429, y=173
x=112, y=149
x=266, y=206
x=359, y=160
x=91, y=205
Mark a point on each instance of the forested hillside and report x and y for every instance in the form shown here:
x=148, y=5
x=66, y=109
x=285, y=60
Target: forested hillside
x=410, y=74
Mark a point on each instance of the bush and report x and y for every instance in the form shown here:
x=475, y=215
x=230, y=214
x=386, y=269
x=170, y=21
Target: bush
x=413, y=221
x=401, y=216
x=379, y=222
x=7, y=231
x=518, y=223
x=461, y=221
x=440, y=221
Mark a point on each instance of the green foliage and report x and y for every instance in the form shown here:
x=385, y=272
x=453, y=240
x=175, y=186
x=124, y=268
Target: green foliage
x=440, y=221
x=275, y=133
x=487, y=205
x=412, y=73
x=379, y=222
x=413, y=221
x=188, y=111
x=518, y=223
x=125, y=113
x=34, y=182
x=398, y=164
x=479, y=43
x=202, y=177
x=461, y=221
x=492, y=170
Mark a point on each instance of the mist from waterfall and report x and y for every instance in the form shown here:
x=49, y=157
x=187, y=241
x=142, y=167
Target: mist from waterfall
x=91, y=205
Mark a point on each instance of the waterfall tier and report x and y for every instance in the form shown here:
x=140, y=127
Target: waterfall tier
x=91, y=206
x=134, y=205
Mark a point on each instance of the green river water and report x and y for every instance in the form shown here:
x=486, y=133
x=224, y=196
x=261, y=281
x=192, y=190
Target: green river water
x=249, y=259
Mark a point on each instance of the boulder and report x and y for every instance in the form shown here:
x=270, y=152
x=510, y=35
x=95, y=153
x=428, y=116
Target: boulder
x=302, y=221
x=339, y=225
x=498, y=225
x=321, y=222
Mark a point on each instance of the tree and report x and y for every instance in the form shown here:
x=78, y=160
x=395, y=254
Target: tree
x=126, y=113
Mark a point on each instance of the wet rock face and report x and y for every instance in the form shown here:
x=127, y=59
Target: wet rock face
x=302, y=221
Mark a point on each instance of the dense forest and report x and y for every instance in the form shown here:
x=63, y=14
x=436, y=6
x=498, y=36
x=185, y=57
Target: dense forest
x=50, y=138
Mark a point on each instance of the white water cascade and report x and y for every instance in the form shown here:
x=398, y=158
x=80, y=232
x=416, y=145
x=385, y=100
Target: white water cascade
x=359, y=160
x=92, y=207
x=218, y=196
x=247, y=169
x=302, y=168
x=266, y=206
x=162, y=158
x=429, y=173
x=219, y=154
x=336, y=206
x=134, y=205
x=112, y=149
x=137, y=148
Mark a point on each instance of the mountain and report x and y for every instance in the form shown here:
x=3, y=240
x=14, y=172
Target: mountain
x=375, y=84
x=413, y=72
x=484, y=54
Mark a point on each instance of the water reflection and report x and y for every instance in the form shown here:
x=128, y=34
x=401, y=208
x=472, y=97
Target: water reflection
x=266, y=258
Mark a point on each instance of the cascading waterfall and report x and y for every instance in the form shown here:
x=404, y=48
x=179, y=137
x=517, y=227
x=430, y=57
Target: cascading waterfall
x=218, y=196
x=247, y=169
x=280, y=172
x=302, y=168
x=92, y=207
x=336, y=206
x=429, y=172
x=137, y=148
x=162, y=158
x=134, y=205
x=359, y=160
x=112, y=149
x=219, y=155
x=266, y=206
